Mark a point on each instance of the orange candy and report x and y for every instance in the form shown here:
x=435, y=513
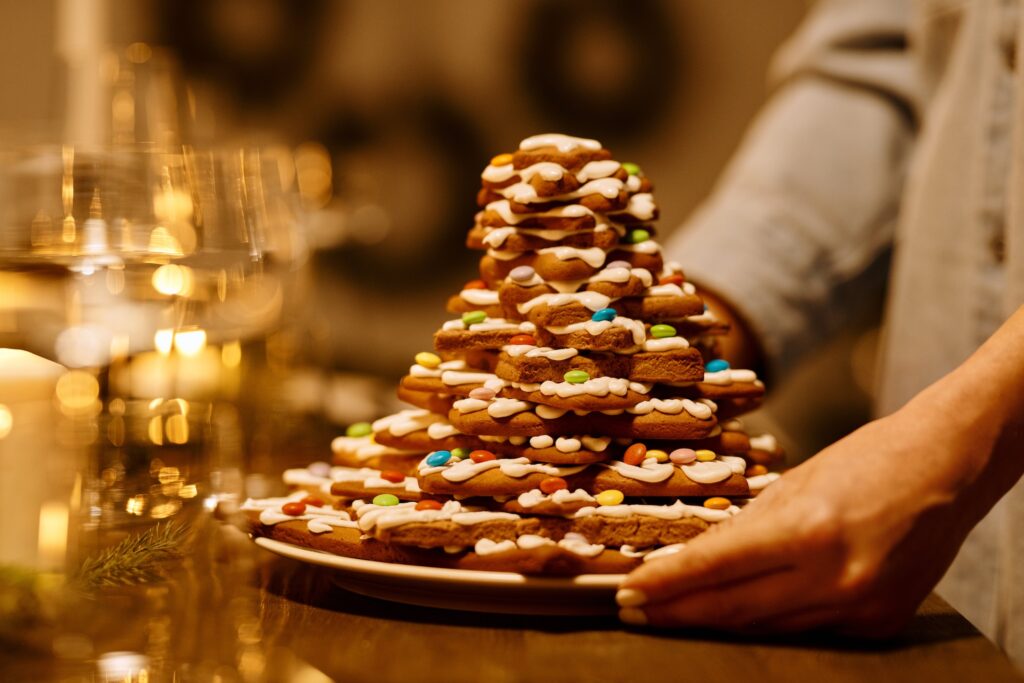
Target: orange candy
x=674, y=279
x=525, y=339
x=553, y=484
x=635, y=454
x=501, y=160
x=717, y=503
x=756, y=470
x=394, y=476
x=482, y=456
x=475, y=284
x=312, y=500
x=428, y=505
x=294, y=509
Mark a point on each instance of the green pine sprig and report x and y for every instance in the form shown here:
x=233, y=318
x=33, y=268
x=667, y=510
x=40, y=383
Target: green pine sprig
x=137, y=559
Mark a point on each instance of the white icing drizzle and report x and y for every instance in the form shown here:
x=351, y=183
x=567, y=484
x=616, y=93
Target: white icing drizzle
x=593, y=256
x=454, y=378
x=504, y=211
x=390, y=516
x=728, y=376
x=673, y=406
x=630, y=551
x=598, y=386
x=480, y=297
x=496, y=237
x=406, y=422
x=546, y=412
x=535, y=497
x=504, y=255
x=549, y=171
x=598, y=444
x=442, y=430
x=318, y=520
x=620, y=275
x=665, y=344
x=418, y=370
x=764, y=442
x=532, y=541
x=648, y=246
x=564, y=143
x=596, y=327
x=516, y=350
x=490, y=324
x=525, y=193
x=709, y=472
x=517, y=468
x=371, y=479
x=578, y=544
x=760, y=481
x=568, y=444
x=486, y=546
x=594, y=301
x=677, y=510
x=641, y=206
x=650, y=470
x=541, y=441
x=363, y=448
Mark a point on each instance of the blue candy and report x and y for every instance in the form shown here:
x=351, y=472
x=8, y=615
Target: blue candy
x=438, y=458
x=604, y=314
x=717, y=365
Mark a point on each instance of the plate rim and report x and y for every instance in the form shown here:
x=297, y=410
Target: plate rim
x=436, y=574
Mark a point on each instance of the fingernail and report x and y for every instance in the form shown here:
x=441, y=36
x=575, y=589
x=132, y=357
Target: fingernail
x=630, y=597
x=632, y=615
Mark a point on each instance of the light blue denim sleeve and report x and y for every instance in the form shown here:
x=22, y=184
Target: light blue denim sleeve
x=797, y=229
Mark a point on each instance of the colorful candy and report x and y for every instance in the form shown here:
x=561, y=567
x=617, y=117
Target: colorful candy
x=682, y=456
x=473, y=317
x=501, y=160
x=429, y=505
x=427, y=359
x=717, y=503
x=359, y=429
x=610, y=497
x=604, y=314
x=438, y=458
x=482, y=456
x=475, y=284
x=637, y=236
x=673, y=279
x=552, y=484
x=661, y=330
x=312, y=501
x=294, y=508
x=522, y=273
x=460, y=453
x=576, y=376
x=717, y=365
x=394, y=476
x=385, y=499
x=523, y=339
x=756, y=470
x=630, y=168
x=482, y=394
x=660, y=456
x=704, y=455
x=635, y=454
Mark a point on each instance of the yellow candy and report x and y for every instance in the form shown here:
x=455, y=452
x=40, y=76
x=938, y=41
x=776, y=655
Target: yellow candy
x=609, y=497
x=717, y=503
x=660, y=456
x=704, y=455
x=756, y=470
x=501, y=160
x=427, y=359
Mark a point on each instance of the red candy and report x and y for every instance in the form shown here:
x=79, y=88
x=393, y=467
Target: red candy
x=394, y=476
x=553, y=484
x=482, y=456
x=635, y=454
x=674, y=279
x=428, y=505
x=312, y=501
x=475, y=284
x=294, y=509
x=524, y=339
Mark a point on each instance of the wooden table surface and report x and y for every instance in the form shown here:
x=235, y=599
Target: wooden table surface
x=239, y=613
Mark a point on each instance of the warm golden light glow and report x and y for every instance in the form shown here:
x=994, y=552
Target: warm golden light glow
x=188, y=491
x=163, y=340
x=164, y=510
x=6, y=421
x=156, y=430
x=172, y=279
x=138, y=53
x=163, y=242
x=77, y=390
x=53, y=533
x=314, y=174
x=190, y=342
x=168, y=474
x=176, y=428
x=136, y=505
x=231, y=354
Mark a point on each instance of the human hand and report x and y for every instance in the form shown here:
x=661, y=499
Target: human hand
x=853, y=539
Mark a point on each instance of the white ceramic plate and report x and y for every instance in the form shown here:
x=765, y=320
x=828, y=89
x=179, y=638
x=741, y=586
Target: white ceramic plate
x=463, y=589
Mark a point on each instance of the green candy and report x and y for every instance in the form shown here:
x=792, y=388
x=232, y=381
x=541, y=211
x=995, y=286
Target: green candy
x=359, y=429
x=637, y=236
x=576, y=376
x=631, y=168
x=662, y=331
x=473, y=317
x=385, y=499
x=460, y=453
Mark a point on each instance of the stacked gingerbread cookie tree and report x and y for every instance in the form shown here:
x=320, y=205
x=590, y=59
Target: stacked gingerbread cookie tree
x=573, y=417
